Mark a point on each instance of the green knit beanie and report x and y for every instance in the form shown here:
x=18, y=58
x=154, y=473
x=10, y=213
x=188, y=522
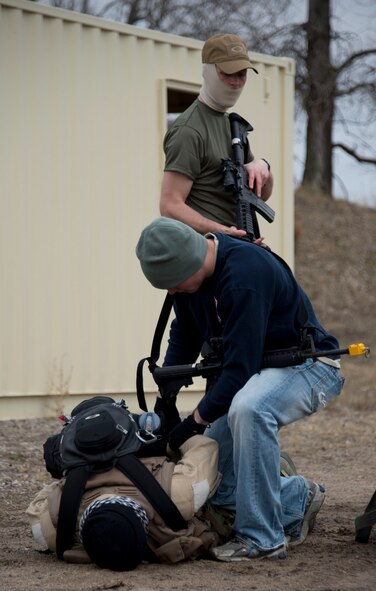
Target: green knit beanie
x=170, y=252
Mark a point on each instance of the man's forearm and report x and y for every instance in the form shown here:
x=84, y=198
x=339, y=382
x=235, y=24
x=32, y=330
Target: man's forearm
x=174, y=193
x=197, y=417
x=184, y=213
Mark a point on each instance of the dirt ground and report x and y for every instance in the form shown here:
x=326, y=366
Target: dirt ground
x=335, y=262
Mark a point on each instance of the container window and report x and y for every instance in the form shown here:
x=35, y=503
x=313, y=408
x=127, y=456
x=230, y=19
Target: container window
x=177, y=102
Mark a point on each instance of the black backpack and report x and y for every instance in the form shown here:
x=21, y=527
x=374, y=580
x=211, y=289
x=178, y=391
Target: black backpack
x=102, y=434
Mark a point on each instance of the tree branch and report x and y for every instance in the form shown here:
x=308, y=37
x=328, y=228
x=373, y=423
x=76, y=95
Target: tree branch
x=105, y=9
x=354, y=57
x=369, y=87
x=354, y=154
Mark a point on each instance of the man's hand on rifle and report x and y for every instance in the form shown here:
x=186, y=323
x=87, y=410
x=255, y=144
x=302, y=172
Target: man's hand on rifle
x=234, y=231
x=260, y=242
x=260, y=179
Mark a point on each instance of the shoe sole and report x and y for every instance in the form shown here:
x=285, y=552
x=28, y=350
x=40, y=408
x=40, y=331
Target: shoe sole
x=310, y=517
x=278, y=554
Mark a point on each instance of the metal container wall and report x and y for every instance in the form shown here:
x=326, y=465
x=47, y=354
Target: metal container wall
x=82, y=119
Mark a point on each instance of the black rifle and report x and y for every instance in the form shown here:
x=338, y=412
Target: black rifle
x=171, y=378
x=236, y=180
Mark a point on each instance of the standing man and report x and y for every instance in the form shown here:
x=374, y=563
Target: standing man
x=249, y=296
x=192, y=185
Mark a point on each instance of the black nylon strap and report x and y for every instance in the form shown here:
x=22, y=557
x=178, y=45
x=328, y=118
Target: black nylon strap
x=140, y=382
x=143, y=479
x=155, y=350
x=68, y=511
x=161, y=325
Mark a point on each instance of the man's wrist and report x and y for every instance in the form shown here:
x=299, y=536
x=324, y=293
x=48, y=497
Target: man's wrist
x=198, y=419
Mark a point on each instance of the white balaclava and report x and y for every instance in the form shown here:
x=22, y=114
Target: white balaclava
x=215, y=93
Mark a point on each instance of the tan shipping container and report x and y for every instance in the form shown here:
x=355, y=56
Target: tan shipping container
x=84, y=106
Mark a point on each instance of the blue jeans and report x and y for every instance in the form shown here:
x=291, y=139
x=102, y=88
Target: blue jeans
x=267, y=506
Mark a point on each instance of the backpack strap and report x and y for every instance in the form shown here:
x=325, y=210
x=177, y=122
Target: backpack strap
x=144, y=480
x=141, y=477
x=155, y=350
x=365, y=521
x=73, y=490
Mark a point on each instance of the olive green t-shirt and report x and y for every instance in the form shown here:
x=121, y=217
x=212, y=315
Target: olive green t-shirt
x=195, y=145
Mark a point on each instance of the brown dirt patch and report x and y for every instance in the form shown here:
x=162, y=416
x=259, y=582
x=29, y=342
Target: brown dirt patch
x=335, y=262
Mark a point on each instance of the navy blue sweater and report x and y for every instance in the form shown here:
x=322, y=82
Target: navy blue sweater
x=257, y=301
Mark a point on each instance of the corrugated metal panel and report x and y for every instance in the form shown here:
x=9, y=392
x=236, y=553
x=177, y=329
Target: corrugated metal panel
x=82, y=120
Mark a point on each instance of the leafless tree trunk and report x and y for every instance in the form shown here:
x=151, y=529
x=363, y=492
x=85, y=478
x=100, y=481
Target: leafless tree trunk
x=320, y=98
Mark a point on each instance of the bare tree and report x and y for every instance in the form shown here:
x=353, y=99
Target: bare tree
x=333, y=70
x=319, y=98
x=326, y=82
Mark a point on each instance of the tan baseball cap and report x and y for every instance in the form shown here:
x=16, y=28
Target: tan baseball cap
x=228, y=52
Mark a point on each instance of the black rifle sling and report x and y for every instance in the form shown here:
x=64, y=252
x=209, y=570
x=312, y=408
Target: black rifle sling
x=155, y=350
x=144, y=480
x=73, y=490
